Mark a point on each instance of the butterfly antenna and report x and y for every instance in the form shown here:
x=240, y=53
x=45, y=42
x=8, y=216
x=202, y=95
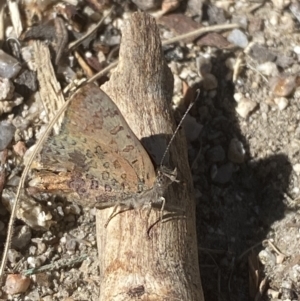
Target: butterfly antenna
x=179, y=125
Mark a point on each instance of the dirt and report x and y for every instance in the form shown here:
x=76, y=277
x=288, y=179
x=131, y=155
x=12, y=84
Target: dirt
x=245, y=164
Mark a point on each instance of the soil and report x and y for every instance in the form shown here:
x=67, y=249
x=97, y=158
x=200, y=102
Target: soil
x=243, y=152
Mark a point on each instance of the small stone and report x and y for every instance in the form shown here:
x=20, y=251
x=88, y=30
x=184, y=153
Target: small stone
x=223, y=174
x=36, y=261
x=16, y=284
x=20, y=148
x=147, y=4
x=268, y=69
x=22, y=236
x=281, y=4
x=7, y=131
x=238, y=38
x=287, y=23
x=283, y=86
x=204, y=66
x=215, y=154
x=26, y=83
x=295, y=9
x=216, y=15
x=266, y=257
x=230, y=63
x=7, y=105
x=297, y=49
x=236, y=151
x=284, y=61
x=296, y=168
x=6, y=89
x=71, y=245
x=238, y=96
x=9, y=66
x=192, y=128
x=209, y=82
x=281, y=102
x=245, y=107
x=261, y=53
x=13, y=256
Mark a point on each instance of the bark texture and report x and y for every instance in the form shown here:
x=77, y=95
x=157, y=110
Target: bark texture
x=163, y=265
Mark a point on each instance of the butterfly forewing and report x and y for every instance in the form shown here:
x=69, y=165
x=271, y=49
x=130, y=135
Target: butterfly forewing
x=97, y=150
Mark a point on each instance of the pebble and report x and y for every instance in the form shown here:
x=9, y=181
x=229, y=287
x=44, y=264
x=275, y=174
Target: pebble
x=9, y=66
x=7, y=131
x=203, y=65
x=297, y=49
x=13, y=256
x=238, y=38
x=236, y=151
x=281, y=4
x=295, y=9
x=238, y=96
x=20, y=148
x=296, y=168
x=261, y=53
x=6, y=89
x=209, y=82
x=192, y=128
x=22, y=237
x=245, y=107
x=16, y=284
x=281, y=102
x=267, y=258
x=282, y=86
x=223, y=174
x=268, y=69
x=147, y=4
x=215, y=154
x=230, y=63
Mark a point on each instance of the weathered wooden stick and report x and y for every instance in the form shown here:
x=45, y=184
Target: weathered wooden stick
x=164, y=264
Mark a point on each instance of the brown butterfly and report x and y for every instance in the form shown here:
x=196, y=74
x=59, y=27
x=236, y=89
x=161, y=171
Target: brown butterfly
x=97, y=160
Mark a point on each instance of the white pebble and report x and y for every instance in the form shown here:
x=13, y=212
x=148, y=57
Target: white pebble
x=281, y=102
x=245, y=107
x=238, y=96
x=268, y=68
x=238, y=38
x=296, y=168
x=297, y=49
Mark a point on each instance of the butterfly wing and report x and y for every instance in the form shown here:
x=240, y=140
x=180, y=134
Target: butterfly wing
x=97, y=154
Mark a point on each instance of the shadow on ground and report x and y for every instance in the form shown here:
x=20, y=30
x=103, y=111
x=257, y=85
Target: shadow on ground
x=235, y=216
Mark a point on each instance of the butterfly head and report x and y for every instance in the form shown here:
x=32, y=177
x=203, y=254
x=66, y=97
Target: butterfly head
x=165, y=177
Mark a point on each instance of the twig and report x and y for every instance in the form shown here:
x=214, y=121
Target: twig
x=85, y=67
x=55, y=265
x=194, y=33
x=200, y=31
x=102, y=72
x=85, y=36
x=15, y=17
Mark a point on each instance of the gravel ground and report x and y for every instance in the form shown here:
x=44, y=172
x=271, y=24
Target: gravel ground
x=243, y=139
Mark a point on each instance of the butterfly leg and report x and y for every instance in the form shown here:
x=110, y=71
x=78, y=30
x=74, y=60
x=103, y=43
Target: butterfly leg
x=161, y=212
x=112, y=214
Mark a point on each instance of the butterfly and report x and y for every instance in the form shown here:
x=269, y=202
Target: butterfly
x=97, y=160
